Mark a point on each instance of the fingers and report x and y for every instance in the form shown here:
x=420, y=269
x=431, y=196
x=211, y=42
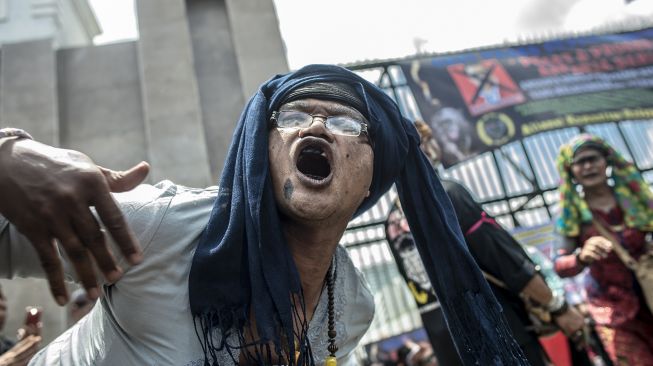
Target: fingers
x=88, y=229
x=79, y=257
x=51, y=264
x=596, y=248
x=599, y=241
x=593, y=256
x=571, y=321
x=115, y=223
x=121, y=181
x=606, y=247
x=592, y=253
x=82, y=238
x=24, y=350
x=31, y=329
x=601, y=251
x=603, y=244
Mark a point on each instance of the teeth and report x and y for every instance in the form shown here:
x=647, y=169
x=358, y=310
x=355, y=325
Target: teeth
x=314, y=150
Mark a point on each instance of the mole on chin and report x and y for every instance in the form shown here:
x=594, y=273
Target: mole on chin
x=288, y=189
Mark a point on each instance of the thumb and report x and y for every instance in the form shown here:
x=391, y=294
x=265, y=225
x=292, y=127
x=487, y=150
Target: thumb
x=121, y=181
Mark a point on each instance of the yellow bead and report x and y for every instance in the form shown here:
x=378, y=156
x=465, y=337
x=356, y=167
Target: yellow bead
x=330, y=361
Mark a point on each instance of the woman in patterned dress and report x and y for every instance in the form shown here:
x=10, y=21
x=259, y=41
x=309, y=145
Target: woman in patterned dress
x=625, y=207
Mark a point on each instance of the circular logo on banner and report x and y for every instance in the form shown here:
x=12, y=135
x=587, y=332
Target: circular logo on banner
x=495, y=129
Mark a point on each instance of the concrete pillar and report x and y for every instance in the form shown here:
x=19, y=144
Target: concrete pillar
x=100, y=103
x=257, y=40
x=218, y=77
x=171, y=106
x=28, y=88
x=28, y=100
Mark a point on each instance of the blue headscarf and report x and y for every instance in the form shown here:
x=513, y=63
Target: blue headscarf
x=243, y=251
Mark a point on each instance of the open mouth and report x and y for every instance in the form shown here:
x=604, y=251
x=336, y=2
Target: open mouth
x=314, y=163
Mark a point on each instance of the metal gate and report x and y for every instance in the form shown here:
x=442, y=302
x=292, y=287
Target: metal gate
x=516, y=183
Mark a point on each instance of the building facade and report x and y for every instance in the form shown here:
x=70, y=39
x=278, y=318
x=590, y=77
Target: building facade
x=172, y=97
x=68, y=23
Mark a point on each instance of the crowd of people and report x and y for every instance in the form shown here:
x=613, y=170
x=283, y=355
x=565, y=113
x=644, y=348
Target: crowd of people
x=251, y=272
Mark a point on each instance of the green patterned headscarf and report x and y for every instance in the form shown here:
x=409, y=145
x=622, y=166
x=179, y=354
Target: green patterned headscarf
x=633, y=193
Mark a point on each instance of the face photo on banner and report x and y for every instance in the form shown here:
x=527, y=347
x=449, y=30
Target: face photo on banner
x=466, y=128
x=454, y=132
x=451, y=125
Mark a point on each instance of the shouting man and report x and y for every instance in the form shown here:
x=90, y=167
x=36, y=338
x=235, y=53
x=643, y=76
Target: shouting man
x=249, y=273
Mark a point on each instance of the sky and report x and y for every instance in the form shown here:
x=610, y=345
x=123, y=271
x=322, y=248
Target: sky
x=348, y=31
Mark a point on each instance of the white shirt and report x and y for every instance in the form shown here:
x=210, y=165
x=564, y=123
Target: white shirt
x=144, y=318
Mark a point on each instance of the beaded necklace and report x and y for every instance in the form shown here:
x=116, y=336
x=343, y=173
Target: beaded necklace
x=331, y=359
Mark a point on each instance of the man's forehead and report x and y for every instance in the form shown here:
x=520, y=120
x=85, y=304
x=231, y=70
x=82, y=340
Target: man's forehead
x=330, y=105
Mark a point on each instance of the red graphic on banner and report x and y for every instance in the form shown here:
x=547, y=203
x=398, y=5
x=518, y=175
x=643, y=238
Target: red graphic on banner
x=485, y=86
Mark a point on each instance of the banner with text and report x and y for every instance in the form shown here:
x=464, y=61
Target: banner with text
x=477, y=101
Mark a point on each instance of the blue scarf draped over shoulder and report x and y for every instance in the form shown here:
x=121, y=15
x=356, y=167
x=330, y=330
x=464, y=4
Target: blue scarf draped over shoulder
x=242, y=262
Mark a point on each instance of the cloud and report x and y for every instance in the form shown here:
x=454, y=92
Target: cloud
x=537, y=16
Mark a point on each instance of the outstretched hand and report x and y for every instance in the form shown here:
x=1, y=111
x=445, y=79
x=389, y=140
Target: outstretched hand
x=47, y=193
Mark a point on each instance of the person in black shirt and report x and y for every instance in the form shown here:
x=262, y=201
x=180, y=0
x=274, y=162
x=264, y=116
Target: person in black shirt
x=502, y=258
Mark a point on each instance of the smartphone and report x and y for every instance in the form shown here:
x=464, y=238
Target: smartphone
x=32, y=315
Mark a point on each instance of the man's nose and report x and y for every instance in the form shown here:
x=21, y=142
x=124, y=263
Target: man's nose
x=317, y=129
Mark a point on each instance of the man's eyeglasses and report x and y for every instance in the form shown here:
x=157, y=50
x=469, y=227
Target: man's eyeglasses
x=339, y=125
x=592, y=159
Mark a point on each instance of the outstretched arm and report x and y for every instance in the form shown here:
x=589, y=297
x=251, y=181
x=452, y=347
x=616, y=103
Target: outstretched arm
x=47, y=194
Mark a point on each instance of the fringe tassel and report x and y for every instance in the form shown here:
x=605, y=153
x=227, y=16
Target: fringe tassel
x=472, y=307
x=215, y=328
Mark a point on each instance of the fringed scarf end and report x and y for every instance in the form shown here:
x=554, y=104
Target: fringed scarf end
x=213, y=329
x=475, y=318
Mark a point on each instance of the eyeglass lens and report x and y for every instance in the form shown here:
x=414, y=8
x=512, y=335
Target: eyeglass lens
x=341, y=125
x=592, y=159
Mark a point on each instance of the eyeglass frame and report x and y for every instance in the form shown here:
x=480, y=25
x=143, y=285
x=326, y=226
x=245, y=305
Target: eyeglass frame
x=275, y=114
x=591, y=159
